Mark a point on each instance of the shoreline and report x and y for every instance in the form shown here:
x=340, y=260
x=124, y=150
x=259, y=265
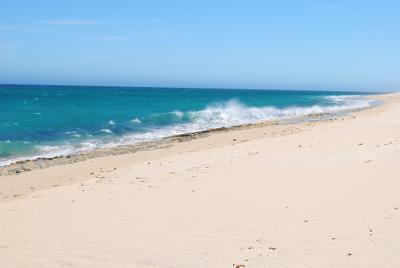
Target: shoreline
x=45, y=162
x=312, y=194
x=14, y=177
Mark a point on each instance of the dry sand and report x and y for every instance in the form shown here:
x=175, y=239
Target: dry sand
x=322, y=194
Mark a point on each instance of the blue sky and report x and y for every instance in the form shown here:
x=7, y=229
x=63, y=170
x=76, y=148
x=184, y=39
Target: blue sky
x=298, y=44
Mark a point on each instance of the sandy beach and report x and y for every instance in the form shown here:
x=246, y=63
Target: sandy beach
x=312, y=194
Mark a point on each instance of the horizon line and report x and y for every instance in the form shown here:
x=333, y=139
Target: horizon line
x=181, y=87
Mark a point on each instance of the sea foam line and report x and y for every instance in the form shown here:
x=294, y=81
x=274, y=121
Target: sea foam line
x=227, y=114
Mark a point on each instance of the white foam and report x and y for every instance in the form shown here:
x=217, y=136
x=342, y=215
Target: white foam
x=106, y=130
x=136, y=121
x=50, y=151
x=351, y=101
x=233, y=113
x=178, y=113
x=73, y=134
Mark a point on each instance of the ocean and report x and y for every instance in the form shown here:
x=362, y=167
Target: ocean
x=48, y=121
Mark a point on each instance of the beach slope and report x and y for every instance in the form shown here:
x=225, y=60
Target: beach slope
x=316, y=194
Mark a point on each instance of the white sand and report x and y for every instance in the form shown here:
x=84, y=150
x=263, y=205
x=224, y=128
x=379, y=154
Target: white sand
x=321, y=194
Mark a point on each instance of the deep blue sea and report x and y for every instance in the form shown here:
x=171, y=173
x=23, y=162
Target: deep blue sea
x=47, y=121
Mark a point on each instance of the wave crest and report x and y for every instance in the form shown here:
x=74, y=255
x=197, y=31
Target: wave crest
x=235, y=113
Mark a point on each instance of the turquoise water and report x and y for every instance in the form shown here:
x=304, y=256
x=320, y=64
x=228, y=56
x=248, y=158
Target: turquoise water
x=47, y=121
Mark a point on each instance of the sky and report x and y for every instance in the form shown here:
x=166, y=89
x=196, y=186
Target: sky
x=282, y=44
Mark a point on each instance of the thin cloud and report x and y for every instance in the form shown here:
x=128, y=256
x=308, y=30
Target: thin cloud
x=68, y=22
